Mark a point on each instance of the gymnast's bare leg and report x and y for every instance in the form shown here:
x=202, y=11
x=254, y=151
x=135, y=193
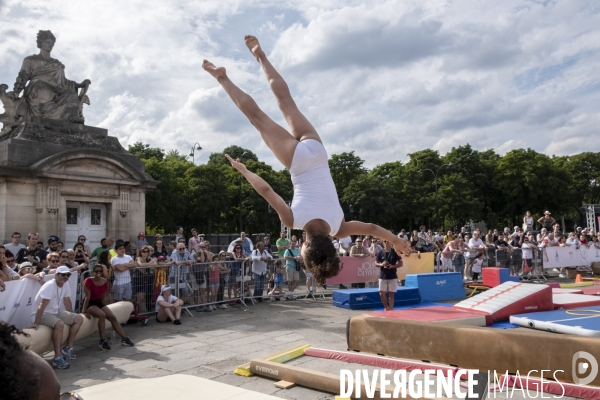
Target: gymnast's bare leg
x=281, y=143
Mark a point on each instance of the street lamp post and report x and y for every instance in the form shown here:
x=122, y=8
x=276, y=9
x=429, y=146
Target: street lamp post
x=244, y=156
x=435, y=175
x=195, y=147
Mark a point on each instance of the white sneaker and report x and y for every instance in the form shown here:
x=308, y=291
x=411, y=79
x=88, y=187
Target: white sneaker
x=223, y=306
x=555, y=270
x=562, y=276
x=282, y=298
x=272, y=298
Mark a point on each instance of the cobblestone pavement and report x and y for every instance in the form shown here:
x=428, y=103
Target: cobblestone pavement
x=211, y=345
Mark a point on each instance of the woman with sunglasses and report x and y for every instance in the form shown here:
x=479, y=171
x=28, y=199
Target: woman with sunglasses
x=7, y=259
x=315, y=207
x=143, y=277
x=94, y=303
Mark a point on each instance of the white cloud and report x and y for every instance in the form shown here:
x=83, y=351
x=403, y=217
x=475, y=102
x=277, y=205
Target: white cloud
x=383, y=79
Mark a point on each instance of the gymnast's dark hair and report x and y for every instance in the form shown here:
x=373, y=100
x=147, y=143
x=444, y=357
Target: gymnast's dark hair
x=321, y=258
x=19, y=380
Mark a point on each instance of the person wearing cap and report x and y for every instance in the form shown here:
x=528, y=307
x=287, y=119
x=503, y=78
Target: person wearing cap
x=46, y=311
x=52, y=244
x=32, y=253
x=27, y=271
x=141, y=241
x=546, y=221
x=168, y=307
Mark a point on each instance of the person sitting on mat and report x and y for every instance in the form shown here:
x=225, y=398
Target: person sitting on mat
x=389, y=261
x=315, y=207
x=94, y=303
x=168, y=307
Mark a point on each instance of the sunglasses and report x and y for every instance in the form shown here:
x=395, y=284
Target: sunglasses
x=144, y=251
x=98, y=271
x=181, y=249
x=235, y=248
x=10, y=260
x=64, y=275
x=54, y=261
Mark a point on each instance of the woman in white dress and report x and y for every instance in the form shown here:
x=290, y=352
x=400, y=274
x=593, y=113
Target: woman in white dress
x=315, y=206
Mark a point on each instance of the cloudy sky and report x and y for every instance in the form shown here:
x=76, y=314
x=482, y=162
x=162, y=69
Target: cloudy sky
x=384, y=78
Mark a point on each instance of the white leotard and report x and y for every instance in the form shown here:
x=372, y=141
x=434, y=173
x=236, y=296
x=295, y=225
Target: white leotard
x=315, y=196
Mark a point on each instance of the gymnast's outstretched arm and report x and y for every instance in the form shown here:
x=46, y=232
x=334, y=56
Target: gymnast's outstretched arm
x=266, y=191
x=362, y=228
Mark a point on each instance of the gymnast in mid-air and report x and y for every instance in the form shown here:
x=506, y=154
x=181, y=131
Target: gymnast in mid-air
x=315, y=206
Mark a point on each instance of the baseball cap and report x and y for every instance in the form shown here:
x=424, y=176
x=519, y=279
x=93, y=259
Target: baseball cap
x=141, y=234
x=164, y=287
x=160, y=258
x=63, y=270
x=53, y=239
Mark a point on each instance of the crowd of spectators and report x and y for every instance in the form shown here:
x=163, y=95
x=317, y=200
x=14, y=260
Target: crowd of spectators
x=464, y=252
x=165, y=277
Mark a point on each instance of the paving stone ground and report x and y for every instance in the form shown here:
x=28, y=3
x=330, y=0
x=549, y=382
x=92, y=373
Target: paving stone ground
x=211, y=345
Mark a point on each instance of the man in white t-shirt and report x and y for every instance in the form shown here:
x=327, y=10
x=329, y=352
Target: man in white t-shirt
x=122, y=263
x=46, y=311
x=345, y=244
x=168, y=307
x=14, y=246
x=476, y=246
x=403, y=235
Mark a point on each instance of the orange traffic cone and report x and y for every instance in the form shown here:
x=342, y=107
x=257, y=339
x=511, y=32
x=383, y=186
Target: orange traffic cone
x=578, y=279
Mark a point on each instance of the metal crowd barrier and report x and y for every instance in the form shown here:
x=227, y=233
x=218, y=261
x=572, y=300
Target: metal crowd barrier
x=531, y=269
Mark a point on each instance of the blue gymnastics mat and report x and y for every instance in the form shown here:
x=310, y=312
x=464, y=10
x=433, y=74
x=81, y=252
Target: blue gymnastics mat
x=437, y=286
x=576, y=321
x=358, y=299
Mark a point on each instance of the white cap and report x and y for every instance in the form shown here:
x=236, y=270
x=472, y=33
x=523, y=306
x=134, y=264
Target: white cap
x=63, y=269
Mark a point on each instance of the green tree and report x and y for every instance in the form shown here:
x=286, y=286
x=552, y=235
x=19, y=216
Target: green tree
x=234, y=151
x=584, y=169
x=145, y=152
x=344, y=168
x=531, y=181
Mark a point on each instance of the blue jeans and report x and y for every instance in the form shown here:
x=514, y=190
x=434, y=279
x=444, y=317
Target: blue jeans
x=259, y=285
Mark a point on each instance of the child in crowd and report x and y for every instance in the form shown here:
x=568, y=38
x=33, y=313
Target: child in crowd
x=278, y=282
x=477, y=264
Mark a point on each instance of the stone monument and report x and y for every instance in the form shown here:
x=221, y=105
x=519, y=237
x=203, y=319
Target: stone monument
x=59, y=176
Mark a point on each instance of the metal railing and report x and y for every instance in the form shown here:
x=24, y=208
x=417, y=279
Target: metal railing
x=528, y=267
x=202, y=286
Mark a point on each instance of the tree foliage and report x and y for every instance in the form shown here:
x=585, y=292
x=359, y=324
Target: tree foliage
x=471, y=185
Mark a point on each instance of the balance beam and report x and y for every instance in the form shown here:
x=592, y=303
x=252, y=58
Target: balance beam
x=40, y=340
x=279, y=357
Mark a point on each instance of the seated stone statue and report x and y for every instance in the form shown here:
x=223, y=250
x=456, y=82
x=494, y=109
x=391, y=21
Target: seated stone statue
x=49, y=93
